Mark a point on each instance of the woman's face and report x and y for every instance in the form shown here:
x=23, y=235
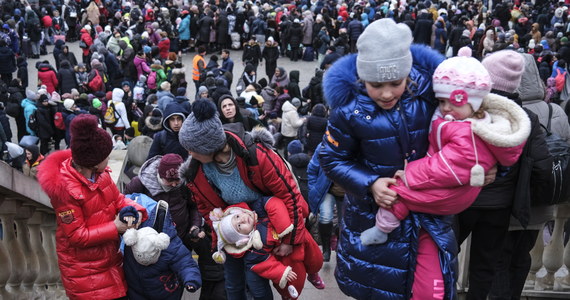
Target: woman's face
x=386, y=94
x=228, y=109
x=277, y=72
x=203, y=158
x=28, y=155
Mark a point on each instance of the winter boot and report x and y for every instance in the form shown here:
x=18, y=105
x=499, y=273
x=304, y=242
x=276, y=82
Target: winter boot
x=325, y=231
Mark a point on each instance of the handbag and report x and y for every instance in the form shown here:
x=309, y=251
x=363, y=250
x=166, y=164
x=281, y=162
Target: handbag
x=82, y=45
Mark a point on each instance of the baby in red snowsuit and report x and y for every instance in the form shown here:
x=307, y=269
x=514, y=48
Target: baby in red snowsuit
x=254, y=233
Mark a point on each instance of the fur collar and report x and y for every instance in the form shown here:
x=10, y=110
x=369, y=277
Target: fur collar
x=508, y=125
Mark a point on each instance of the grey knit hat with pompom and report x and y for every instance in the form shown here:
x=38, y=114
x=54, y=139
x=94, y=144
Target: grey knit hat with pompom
x=202, y=131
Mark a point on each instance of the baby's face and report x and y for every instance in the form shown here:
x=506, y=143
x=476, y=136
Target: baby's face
x=243, y=223
x=457, y=112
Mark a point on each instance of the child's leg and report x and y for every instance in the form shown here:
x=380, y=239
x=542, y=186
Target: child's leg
x=428, y=279
x=385, y=223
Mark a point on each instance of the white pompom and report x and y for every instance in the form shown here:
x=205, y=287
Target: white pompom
x=477, y=175
x=219, y=257
x=256, y=240
x=130, y=237
x=293, y=292
x=161, y=241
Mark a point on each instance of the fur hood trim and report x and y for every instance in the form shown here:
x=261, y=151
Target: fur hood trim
x=496, y=130
x=178, y=71
x=261, y=135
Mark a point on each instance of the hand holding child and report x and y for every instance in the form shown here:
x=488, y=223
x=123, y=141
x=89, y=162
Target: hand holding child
x=383, y=195
x=283, y=250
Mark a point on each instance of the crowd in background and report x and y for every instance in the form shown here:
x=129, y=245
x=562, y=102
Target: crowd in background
x=129, y=74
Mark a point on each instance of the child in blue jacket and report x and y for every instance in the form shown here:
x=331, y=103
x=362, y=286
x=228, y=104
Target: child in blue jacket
x=157, y=264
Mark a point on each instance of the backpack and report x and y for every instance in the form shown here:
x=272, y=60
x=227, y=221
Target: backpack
x=58, y=121
x=317, y=42
x=151, y=80
x=558, y=189
x=110, y=116
x=138, y=94
x=33, y=122
x=560, y=80
x=96, y=83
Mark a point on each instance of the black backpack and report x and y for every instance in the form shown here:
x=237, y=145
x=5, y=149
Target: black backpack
x=559, y=189
x=33, y=122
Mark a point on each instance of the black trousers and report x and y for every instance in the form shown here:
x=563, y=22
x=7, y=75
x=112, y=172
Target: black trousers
x=514, y=264
x=488, y=229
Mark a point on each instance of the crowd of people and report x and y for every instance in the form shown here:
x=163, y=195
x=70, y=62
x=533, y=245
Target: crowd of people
x=253, y=168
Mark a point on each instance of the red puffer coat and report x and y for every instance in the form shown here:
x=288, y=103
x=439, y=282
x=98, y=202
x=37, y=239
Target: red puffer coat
x=86, y=238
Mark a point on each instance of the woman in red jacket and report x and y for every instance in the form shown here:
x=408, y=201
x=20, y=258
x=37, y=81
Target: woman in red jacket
x=86, y=41
x=86, y=203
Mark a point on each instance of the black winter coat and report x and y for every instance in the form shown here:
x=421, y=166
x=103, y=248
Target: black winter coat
x=316, y=127
x=66, y=78
x=222, y=36
x=8, y=59
x=44, y=115
x=295, y=34
x=205, y=24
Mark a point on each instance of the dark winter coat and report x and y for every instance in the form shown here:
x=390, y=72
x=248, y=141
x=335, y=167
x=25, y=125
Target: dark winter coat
x=166, y=141
x=66, y=78
x=44, y=115
x=423, y=30
x=295, y=35
x=355, y=168
x=8, y=59
x=299, y=163
x=293, y=86
x=175, y=268
x=251, y=53
x=355, y=29
x=316, y=127
x=57, y=50
x=23, y=72
x=222, y=36
x=183, y=212
x=205, y=24
x=70, y=57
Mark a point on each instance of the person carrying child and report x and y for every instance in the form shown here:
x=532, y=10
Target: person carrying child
x=254, y=233
x=229, y=167
x=86, y=202
x=470, y=133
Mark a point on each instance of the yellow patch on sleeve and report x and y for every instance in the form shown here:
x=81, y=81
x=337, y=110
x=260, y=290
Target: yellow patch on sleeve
x=331, y=139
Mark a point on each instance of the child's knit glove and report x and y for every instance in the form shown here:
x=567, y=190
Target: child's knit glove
x=128, y=211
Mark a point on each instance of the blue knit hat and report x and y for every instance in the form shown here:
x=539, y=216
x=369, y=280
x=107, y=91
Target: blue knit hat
x=295, y=147
x=202, y=131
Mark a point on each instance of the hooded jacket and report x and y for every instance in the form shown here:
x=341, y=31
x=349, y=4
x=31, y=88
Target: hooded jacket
x=66, y=77
x=47, y=76
x=8, y=59
x=358, y=131
x=166, y=141
x=443, y=177
x=86, y=237
x=291, y=122
x=174, y=269
x=316, y=127
x=117, y=99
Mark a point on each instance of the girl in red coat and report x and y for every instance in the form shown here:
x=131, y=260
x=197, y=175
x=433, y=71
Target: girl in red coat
x=253, y=234
x=470, y=133
x=86, y=202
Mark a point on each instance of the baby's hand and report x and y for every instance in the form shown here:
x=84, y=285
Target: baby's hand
x=291, y=276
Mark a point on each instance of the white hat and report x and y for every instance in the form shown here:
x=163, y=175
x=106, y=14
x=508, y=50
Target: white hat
x=68, y=103
x=228, y=237
x=146, y=244
x=87, y=27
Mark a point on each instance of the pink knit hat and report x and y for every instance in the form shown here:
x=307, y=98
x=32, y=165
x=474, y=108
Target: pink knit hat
x=462, y=80
x=505, y=68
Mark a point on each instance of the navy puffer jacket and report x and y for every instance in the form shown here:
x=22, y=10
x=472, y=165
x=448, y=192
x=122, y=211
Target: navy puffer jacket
x=167, y=278
x=365, y=142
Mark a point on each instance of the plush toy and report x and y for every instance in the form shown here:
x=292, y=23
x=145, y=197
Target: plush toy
x=146, y=244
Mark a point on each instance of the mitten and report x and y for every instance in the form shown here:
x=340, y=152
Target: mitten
x=128, y=211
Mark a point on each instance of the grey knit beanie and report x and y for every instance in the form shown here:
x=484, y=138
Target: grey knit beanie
x=202, y=131
x=384, y=51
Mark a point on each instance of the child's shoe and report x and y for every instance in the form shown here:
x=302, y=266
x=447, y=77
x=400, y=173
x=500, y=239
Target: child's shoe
x=373, y=236
x=316, y=280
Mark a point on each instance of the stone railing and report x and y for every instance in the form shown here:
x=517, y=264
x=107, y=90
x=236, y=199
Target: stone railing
x=27, y=247
x=548, y=277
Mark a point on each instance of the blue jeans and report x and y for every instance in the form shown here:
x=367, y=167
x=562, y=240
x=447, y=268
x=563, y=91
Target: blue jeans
x=234, y=270
x=326, y=209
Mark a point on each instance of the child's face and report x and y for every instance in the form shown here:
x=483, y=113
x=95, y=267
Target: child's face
x=243, y=223
x=386, y=94
x=457, y=112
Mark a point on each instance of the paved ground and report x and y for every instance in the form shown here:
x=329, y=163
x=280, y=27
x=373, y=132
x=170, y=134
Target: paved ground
x=307, y=70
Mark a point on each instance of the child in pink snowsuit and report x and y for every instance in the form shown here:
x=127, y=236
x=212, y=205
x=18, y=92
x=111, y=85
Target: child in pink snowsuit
x=470, y=132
